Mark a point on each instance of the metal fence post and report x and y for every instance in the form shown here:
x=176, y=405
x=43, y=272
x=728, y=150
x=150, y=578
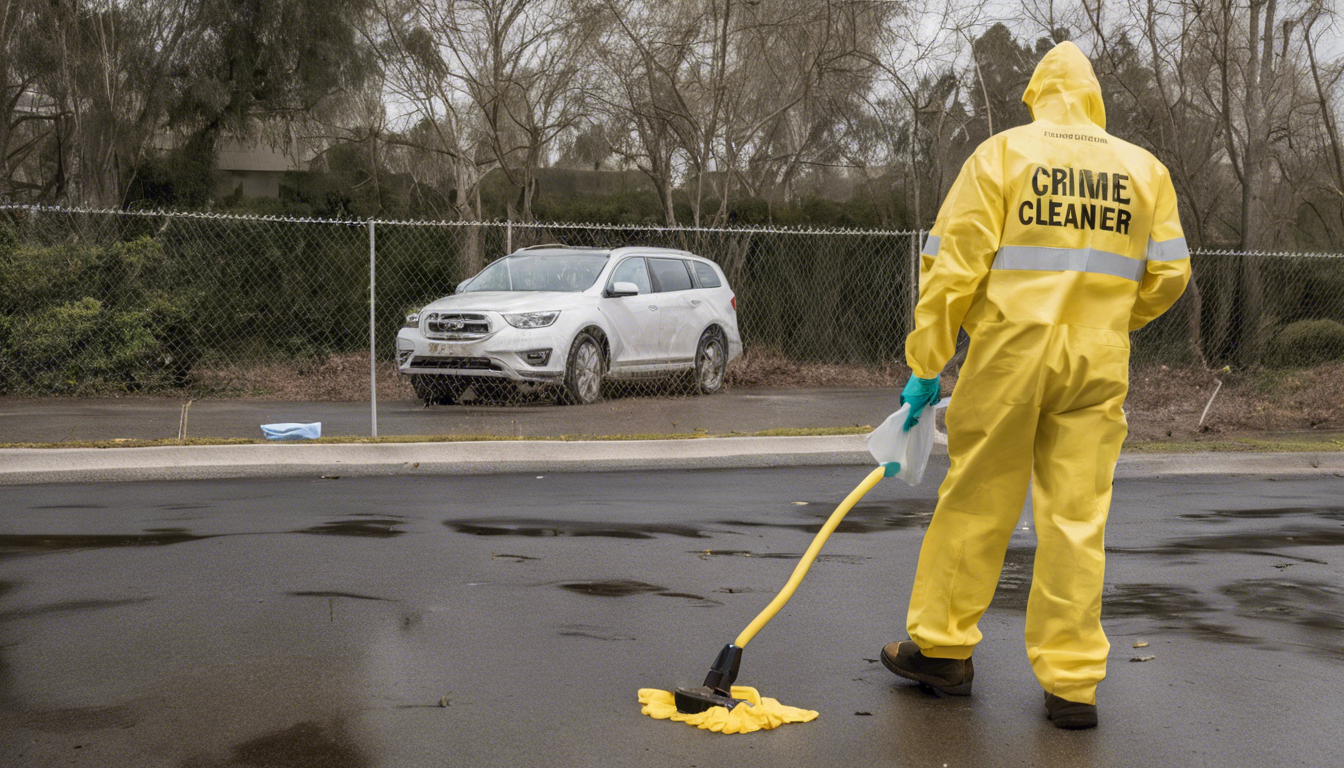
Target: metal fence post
x=373, y=335
x=508, y=236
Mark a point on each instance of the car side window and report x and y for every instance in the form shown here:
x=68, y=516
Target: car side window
x=633, y=271
x=706, y=275
x=671, y=274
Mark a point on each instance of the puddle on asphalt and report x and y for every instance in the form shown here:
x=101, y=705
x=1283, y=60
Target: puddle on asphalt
x=627, y=588
x=1156, y=601
x=69, y=606
x=863, y=518
x=697, y=599
x=708, y=553
x=592, y=632
x=611, y=588
x=36, y=543
x=326, y=593
x=1312, y=605
x=303, y=745
x=76, y=719
x=1246, y=543
x=533, y=528
x=363, y=527
x=1172, y=607
x=1015, y=580
x=1220, y=515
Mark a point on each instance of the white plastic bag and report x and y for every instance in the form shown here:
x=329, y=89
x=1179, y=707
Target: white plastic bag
x=890, y=444
x=290, y=431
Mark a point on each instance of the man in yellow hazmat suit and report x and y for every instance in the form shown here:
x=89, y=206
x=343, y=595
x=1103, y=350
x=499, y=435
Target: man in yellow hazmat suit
x=1056, y=240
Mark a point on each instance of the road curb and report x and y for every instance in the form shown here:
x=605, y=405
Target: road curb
x=50, y=465
x=60, y=465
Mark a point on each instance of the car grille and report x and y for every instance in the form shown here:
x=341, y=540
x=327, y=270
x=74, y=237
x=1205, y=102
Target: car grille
x=455, y=363
x=456, y=326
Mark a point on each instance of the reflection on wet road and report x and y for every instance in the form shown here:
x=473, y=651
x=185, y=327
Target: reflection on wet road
x=509, y=621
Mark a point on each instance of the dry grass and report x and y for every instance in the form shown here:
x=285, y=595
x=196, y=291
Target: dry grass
x=759, y=369
x=335, y=378
x=1166, y=402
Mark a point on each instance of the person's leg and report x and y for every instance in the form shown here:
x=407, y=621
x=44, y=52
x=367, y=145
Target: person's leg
x=980, y=501
x=1075, y=456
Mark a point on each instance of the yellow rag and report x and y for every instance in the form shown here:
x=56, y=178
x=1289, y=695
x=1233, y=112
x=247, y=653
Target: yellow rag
x=754, y=714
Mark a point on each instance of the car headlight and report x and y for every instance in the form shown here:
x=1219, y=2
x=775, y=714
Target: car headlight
x=532, y=319
x=412, y=320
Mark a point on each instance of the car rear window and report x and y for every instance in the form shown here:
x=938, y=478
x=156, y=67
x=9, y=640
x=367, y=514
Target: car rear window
x=671, y=274
x=708, y=277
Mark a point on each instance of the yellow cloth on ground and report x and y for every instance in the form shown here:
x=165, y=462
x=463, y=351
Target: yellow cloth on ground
x=756, y=713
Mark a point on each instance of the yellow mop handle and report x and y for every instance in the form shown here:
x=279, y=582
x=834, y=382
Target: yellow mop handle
x=813, y=550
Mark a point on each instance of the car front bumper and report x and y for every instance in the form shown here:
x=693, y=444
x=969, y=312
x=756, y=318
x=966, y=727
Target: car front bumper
x=502, y=355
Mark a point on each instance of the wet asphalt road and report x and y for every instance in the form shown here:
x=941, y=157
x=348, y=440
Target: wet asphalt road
x=322, y=622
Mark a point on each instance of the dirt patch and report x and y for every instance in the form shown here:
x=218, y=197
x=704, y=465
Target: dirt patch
x=1166, y=403
x=756, y=368
x=332, y=378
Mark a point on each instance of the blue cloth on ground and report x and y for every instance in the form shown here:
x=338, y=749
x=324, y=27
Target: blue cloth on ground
x=292, y=431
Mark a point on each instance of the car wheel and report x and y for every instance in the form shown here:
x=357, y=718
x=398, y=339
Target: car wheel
x=584, y=371
x=435, y=390
x=711, y=363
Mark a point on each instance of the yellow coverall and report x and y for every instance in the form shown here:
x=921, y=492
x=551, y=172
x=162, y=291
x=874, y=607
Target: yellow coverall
x=1056, y=240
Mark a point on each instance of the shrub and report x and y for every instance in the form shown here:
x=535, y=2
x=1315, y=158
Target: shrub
x=82, y=347
x=1306, y=343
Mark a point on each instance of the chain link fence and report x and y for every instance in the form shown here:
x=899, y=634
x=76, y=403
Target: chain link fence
x=222, y=306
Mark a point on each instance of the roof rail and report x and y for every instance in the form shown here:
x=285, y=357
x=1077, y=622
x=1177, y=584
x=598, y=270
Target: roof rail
x=561, y=245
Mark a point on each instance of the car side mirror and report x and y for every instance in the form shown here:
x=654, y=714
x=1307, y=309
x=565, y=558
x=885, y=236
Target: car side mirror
x=458, y=289
x=619, y=290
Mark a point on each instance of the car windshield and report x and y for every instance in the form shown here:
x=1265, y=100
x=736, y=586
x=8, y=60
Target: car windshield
x=539, y=272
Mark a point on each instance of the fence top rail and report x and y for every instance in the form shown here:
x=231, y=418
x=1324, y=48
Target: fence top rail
x=247, y=217
x=562, y=225
x=1269, y=254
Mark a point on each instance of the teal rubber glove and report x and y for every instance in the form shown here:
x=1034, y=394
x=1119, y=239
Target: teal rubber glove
x=919, y=393
x=891, y=469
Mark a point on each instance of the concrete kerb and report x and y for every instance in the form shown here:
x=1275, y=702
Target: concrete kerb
x=52, y=465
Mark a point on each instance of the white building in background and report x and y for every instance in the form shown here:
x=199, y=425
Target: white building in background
x=255, y=166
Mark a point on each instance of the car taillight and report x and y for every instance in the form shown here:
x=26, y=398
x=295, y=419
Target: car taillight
x=733, y=301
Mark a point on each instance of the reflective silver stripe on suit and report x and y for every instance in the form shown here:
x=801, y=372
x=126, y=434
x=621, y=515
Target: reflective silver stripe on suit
x=931, y=245
x=1174, y=249
x=1043, y=259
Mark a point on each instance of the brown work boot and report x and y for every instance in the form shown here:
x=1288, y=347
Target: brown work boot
x=1071, y=715
x=951, y=676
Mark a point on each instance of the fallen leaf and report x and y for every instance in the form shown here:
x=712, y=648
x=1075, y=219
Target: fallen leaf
x=864, y=714
x=1143, y=658
x=443, y=702
x=1140, y=644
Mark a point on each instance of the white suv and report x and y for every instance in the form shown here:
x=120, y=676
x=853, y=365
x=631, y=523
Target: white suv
x=572, y=318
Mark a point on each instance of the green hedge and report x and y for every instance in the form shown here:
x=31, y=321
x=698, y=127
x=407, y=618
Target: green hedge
x=1306, y=343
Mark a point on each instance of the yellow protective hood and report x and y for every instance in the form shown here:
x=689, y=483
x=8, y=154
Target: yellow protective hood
x=1064, y=90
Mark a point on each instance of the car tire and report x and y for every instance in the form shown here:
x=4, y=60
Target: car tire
x=584, y=370
x=711, y=363
x=435, y=390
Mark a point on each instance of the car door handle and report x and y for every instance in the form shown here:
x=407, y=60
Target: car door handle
x=695, y=302
x=653, y=307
